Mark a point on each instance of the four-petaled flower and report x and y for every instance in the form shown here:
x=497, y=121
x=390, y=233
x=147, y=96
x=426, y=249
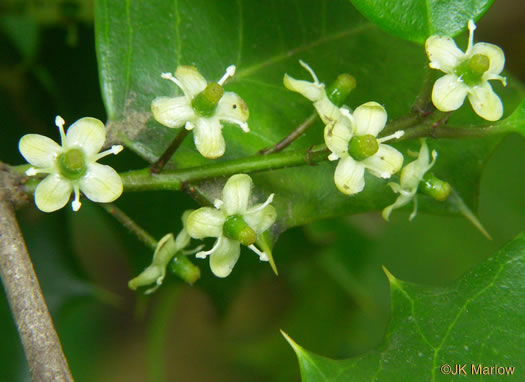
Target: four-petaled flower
x=233, y=222
x=411, y=175
x=72, y=166
x=467, y=74
x=203, y=108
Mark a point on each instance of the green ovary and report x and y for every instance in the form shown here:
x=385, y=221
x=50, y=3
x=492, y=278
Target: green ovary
x=72, y=164
x=471, y=71
x=206, y=101
x=362, y=147
x=237, y=229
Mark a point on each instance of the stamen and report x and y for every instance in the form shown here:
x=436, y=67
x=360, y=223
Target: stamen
x=217, y=203
x=268, y=201
x=398, y=134
x=34, y=171
x=241, y=124
x=203, y=254
x=310, y=70
x=230, y=71
x=170, y=77
x=59, y=122
x=189, y=126
x=76, y=202
x=115, y=149
x=471, y=29
x=263, y=256
x=192, y=251
x=333, y=156
x=498, y=77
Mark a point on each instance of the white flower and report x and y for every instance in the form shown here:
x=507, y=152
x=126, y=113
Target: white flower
x=467, y=74
x=233, y=222
x=72, y=166
x=166, y=249
x=203, y=108
x=352, y=139
x=411, y=175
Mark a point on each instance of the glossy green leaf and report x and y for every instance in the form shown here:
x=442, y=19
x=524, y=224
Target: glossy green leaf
x=477, y=320
x=138, y=40
x=415, y=20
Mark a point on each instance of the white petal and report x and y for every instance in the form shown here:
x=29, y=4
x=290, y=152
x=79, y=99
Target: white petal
x=337, y=135
x=401, y=201
x=494, y=53
x=88, y=133
x=349, y=176
x=236, y=194
x=385, y=162
x=443, y=53
x=449, y=93
x=262, y=219
x=369, y=118
x=38, y=150
x=205, y=222
x=314, y=92
x=327, y=110
x=190, y=78
x=172, y=111
x=231, y=106
x=52, y=193
x=101, y=183
x=225, y=256
x=413, y=172
x=485, y=102
x=208, y=138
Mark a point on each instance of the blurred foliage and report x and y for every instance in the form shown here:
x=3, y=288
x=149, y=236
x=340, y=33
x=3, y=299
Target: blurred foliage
x=331, y=295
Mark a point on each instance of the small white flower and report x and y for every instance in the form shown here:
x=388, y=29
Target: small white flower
x=203, y=108
x=72, y=166
x=411, y=175
x=166, y=249
x=233, y=222
x=467, y=74
x=352, y=139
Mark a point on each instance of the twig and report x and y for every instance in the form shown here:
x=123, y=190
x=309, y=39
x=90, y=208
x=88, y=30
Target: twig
x=286, y=141
x=39, y=338
x=157, y=167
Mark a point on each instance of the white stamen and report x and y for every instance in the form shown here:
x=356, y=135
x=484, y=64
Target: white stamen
x=263, y=256
x=310, y=70
x=189, y=126
x=471, y=29
x=268, y=201
x=76, y=202
x=333, y=156
x=115, y=149
x=230, y=71
x=170, y=77
x=59, y=122
x=203, y=254
x=193, y=250
x=31, y=171
x=217, y=203
x=243, y=125
x=398, y=134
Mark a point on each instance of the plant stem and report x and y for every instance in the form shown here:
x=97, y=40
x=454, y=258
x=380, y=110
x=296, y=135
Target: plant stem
x=40, y=341
x=164, y=158
x=437, y=132
x=130, y=225
x=286, y=141
x=143, y=180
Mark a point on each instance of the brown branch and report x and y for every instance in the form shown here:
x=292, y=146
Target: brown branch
x=35, y=326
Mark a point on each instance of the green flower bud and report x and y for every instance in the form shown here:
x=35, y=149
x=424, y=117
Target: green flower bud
x=206, y=101
x=362, y=147
x=237, y=229
x=339, y=90
x=435, y=187
x=72, y=164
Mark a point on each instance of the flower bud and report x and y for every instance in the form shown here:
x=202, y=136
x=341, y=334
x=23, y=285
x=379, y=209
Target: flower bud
x=435, y=187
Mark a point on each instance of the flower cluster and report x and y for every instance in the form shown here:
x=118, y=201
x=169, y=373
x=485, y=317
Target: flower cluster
x=351, y=137
x=72, y=165
x=203, y=108
x=467, y=74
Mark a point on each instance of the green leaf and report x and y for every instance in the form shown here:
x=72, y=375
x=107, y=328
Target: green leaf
x=477, y=320
x=138, y=40
x=415, y=20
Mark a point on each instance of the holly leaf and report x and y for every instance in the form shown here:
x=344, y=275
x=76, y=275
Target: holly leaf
x=137, y=41
x=416, y=20
x=474, y=325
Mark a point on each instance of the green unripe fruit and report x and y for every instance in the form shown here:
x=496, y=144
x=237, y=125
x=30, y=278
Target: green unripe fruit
x=206, y=101
x=435, y=187
x=72, y=164
x=362, y=147
x=237, y=229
